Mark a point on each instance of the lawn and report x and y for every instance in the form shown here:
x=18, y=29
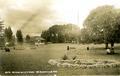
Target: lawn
x=32, y=58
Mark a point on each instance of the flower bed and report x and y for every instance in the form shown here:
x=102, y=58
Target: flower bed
x=81, y=63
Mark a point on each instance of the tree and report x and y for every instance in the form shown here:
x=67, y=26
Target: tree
x=8, y=33
x=85, y=36
x=2, y=34
x=27, y=38
x=19, y=36
x=102, y=24
x=46, y=35
x=9, y=36
x=61, y=33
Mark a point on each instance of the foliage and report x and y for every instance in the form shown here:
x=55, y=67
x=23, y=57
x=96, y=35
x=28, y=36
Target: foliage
x=8, y=33
x=27, y=38
x=2, y=40
x=102, y=24
x=74, y=57
x=19, y=36
x=65, y=57
x=9, y=36
x=61, y=33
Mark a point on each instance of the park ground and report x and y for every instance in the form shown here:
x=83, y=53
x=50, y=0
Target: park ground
x=33, y=58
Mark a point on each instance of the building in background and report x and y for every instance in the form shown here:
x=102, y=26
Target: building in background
x=37, y=39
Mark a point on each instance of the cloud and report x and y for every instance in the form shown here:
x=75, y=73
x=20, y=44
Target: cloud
x=31, y=16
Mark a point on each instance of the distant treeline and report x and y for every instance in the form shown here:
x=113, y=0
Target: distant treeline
x=62, y=33
x=7, y=38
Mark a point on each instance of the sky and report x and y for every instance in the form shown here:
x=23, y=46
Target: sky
x=32, y=16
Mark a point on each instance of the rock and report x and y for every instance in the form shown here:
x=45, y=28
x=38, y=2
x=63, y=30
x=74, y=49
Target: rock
x=52, y=62
x=83, y=64
x=65, y=64
x=58, y=65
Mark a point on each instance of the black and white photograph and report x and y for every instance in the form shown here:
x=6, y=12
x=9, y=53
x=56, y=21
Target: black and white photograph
x=59, y=37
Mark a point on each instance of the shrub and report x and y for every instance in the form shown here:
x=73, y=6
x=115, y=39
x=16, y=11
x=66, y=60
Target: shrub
x=65, y=57
x=74, y=57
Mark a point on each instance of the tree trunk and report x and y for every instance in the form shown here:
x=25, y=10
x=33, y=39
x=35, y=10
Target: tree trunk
x=112, y=48
x=106, y=45
x=112, y=45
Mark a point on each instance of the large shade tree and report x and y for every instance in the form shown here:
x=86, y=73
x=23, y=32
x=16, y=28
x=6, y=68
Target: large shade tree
x=103, y=24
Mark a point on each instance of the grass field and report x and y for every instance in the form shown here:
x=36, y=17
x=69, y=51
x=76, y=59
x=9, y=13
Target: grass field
x=36, y=59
